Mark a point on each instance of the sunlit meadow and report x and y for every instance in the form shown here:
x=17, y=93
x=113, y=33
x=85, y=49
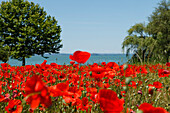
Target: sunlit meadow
x=78, y=88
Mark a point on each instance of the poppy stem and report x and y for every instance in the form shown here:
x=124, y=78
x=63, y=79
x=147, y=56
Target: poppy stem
x=31, y=94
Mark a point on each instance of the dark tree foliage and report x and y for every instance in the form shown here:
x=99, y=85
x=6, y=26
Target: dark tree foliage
x=139, y=42
x=27, y=29
x=4, y=53
x=159, y=27
x=151, y=42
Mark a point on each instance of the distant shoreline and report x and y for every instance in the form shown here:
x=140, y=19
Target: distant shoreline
x=91, y=54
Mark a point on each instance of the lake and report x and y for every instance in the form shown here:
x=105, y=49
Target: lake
x=64, y=59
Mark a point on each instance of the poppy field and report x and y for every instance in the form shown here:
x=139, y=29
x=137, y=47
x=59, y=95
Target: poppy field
x=79, y=88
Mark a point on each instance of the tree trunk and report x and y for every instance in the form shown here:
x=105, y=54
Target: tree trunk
x=23, y=61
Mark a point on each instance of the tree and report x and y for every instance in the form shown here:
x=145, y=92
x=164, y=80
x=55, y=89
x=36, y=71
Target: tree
x=159, y=27
x=4, y=53
x=27, y=30
x=151, y=41
x=139, y=42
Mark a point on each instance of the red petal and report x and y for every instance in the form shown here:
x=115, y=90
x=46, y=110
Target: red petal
x=35, y=103
x=39, y=86
x=71, y=57
x=80, y=56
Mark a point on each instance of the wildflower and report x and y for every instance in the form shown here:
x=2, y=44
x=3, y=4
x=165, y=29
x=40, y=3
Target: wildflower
x=72, y=62
x=109, y=102
x=98, y=72
x=84, y=104
x=37, y=92
x=59, y=89
x=140, y=92
x=113, y=65
x=80, y=56
x=14, y=106
x=148, y=108
x=157, y=85
x=163, y=73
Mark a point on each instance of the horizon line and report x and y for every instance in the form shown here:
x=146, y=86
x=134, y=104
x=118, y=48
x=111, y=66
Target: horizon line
x=95, y=53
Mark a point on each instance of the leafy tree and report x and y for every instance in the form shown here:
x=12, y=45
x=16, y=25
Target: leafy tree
x=27, y=30
x=139, y=42
x=153, y=40
x=159, y=27
x=4, y=53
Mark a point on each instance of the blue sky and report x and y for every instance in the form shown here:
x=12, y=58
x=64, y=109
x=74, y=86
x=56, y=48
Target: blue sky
x=96, y=26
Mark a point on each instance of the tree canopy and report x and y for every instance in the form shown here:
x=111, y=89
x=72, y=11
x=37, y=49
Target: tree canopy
x=159, y=27
x=4, y=53
x=152, y=41
x=27, y=30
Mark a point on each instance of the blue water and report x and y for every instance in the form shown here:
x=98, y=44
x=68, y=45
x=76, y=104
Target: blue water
x=64, y=59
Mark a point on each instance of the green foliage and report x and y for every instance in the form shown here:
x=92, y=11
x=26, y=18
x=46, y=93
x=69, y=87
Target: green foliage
x=27, y=29
x=4, y=53
x=150, y=42
x=139, y=42
x=159, y=27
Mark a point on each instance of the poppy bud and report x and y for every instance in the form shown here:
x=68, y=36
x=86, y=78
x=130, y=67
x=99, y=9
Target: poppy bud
x=146, y=81
x=166, y=71
x=125, y=88
x=125, y=66
x=140, y=92
x=90, y=73
x=85, y=74
x=139, y=111
x=151, y=89
x=128, y=80
x=167, y=87
x=15, y=92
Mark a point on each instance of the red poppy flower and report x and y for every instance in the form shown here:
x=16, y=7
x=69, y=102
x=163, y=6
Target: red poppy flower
x=54, y=65
x=14, y=106
x=61, y=76
x=109, y=102
x=5, y=66
x=157, y=85
x=98, y=72
x=73, y=94
x=123, y=93
x=44, y=63
x=80, y=56
x=72, y=62
x=5, y=98
x=168, y=64
x=132, y=84
x=117, y=82
x=84, y=104
x=37, y=92
x=163, y=73
x=103, y=63
x=143, y=70
x=148, y=108
x=92, y=92
x=59, y=89
x=113, y=65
